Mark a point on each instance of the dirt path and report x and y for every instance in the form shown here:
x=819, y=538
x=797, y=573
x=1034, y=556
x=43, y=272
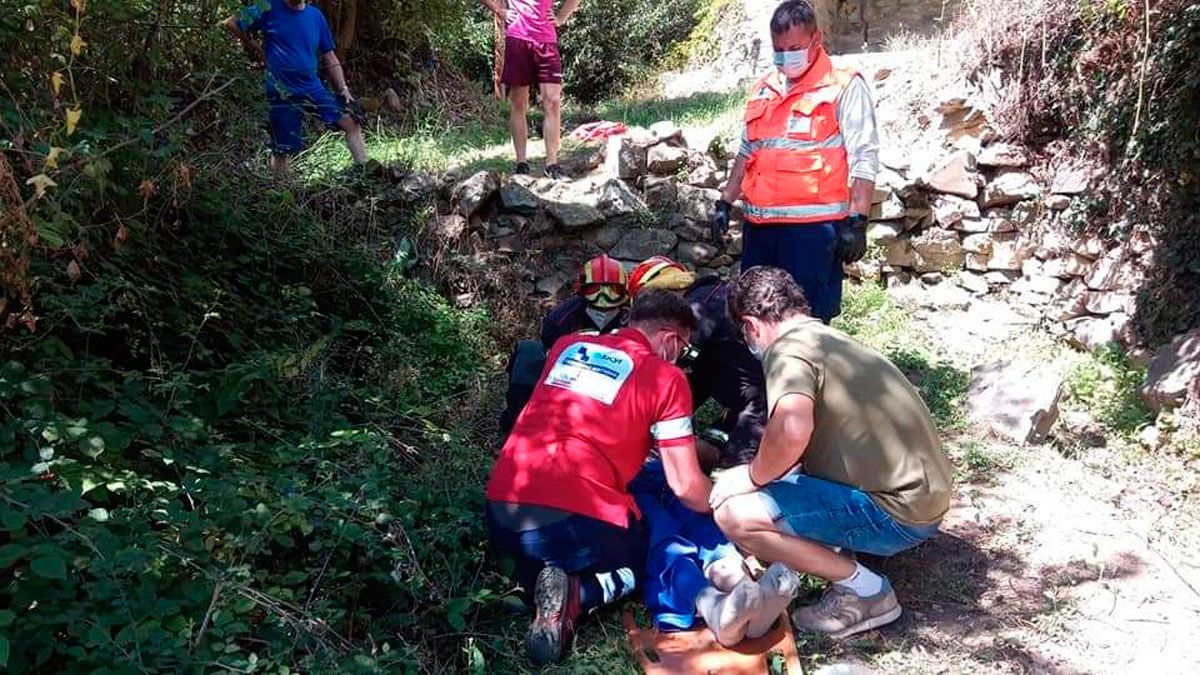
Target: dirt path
x=1053, y=564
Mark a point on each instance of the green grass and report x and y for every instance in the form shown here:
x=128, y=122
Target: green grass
x=1106, y=384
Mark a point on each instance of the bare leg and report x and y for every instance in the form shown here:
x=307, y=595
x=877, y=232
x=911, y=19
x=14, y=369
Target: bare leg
x=279, y=166
x=551, y=95
x=354, y=138
x=518, y=98
x=744, y=520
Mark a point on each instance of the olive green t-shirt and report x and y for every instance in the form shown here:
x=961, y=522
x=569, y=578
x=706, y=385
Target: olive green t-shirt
x=871, y=428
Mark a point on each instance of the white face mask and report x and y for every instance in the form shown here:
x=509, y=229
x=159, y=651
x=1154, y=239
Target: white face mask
x=602, y=317
x=793, y=63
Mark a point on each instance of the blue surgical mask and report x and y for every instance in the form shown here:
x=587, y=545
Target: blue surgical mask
x=793, y=63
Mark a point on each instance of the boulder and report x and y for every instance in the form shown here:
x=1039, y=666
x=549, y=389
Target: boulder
x=900, y=253
x=973, y=225
x=1090, y=246
x=1058, y=202
x=890, y=209
x=516, y=198
x=705, y=175
x=1068, y=266
x=637, y=245
x=689, y=230
x=552, y=284
x=1070, y=180
x=1015, y=400
x=1000, y=277
x=666, y=131
x=1038, y=284
x=999, y=221
x=1106, y=302
x=661, y=194
x=1003, y=155
x=955, y=175
x=980, y=243
x=625, y=156
x=1009, y=251
x=471, y=194
x=573, y=216
x=932, y=278
x=936, y=250
x=417, y=185
x=974, y=283
x=883, y=233
x=697, y=203
x=735, y=242
x=1174, y=373
x=696, y=252
x=607, y=236
x=1089, y=332
x=1010, y=188
x=619, y=201
x=665, y=160
x=948, y=210
x=976, y=262
x=895, y=158
x=1104, y=274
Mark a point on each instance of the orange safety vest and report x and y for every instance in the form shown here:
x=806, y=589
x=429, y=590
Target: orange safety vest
x=797, y=171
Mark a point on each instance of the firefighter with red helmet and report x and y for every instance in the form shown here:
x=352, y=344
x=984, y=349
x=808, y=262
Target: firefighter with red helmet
x=599, y=305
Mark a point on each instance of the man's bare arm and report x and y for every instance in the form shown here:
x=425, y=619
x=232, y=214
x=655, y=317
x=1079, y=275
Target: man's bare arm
x=498, y=8
x=337, y=74
x=685, y=478
x=252, y=47
x=568, y=9
x=784, y=439
x=733, y=186
x=861, y=193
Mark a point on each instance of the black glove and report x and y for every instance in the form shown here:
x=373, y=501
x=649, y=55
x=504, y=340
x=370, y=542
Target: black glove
x=852, y=238
x=720, y=220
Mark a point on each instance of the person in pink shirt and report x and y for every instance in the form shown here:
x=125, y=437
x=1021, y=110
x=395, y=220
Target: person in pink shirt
x=531, y=57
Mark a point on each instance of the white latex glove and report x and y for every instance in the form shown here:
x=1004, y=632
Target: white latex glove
x=731, y=483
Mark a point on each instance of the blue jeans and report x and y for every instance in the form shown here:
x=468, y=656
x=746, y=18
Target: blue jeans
x=838, y=515
x=808, y=253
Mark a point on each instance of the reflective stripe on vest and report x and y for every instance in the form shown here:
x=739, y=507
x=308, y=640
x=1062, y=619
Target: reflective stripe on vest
x=830, y=143
x=834, y=211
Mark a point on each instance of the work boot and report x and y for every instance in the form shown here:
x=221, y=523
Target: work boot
x=841, y=612
x=556, y=172
x=522, y=169
x=556, y=607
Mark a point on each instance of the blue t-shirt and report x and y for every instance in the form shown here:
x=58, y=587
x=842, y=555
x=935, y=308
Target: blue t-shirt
x=292, y=38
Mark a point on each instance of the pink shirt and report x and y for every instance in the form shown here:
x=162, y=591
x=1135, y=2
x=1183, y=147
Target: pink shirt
x=533, y=21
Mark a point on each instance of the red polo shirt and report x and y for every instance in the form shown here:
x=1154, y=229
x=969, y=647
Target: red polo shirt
x=602, y=403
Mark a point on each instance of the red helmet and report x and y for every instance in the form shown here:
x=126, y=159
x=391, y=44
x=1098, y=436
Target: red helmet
x=602, y=283
x=659, y=272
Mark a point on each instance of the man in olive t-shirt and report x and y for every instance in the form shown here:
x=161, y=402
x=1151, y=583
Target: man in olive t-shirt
x=872, y=478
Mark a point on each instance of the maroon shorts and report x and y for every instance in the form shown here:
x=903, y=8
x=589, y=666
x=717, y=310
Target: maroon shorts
x=527, y=63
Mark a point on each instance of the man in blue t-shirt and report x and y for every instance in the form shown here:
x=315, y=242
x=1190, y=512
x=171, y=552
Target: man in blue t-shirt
x=293, y=36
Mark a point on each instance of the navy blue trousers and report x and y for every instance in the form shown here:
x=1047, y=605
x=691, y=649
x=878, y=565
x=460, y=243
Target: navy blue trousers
x=807, y=252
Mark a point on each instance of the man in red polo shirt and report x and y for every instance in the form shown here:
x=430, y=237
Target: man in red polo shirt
x=557, y=498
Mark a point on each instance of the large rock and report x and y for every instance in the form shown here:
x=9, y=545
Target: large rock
x=1090, y=246
x=471, y=194
x=975, y=283
x=889, y=209
x=705, y=174
x=637, y=245
x=1003, y=155
x=1174, y=373
x=1015, y=400
x=665, y=160
x=666, y=131
x=980, y=243
x=690, y=230
x=936, y=250
x=955, y=175
x=1070, y=265
x=449, y=228
x=949, y=211
x=1070, y=180
x=1091, y=332
x=619, y=201
x=697, y=203
x=573, y=216
x=517, y=198
x=883, y=233
x=1009, y=251
x=1010, y=188
x=1105, y=273
x=626, y=154
x=1107, y=302
x=661, y=194
x=606, y=236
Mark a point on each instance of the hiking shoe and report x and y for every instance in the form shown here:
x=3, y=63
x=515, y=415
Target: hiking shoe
x=556, y=603
x=841, y=612
x=522, y=169
x=556, y=172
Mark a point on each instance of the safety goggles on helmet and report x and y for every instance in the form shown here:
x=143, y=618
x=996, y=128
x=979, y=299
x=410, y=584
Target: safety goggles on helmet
x=604, y=296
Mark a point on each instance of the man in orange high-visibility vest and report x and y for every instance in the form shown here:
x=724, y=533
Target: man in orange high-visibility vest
x=806, y=169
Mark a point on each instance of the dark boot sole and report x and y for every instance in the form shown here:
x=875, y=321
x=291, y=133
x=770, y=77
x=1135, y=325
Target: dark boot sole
x=545, y=641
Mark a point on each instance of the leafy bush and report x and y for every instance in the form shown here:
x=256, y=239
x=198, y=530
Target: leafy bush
x=1107, y=384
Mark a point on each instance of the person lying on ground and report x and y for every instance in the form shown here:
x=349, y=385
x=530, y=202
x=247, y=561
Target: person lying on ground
x=558, y=498
x=599, y=305
x=721, y=367
x=294, y=35
x=872, y=475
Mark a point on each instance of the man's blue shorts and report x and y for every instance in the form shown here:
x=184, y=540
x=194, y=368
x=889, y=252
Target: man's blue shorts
x=838, y=515
x=287, y=100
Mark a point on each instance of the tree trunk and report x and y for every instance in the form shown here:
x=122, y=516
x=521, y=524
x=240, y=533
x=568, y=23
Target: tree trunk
x=348, y=25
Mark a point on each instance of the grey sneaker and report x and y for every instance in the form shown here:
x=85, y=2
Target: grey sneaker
x=841, y=612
